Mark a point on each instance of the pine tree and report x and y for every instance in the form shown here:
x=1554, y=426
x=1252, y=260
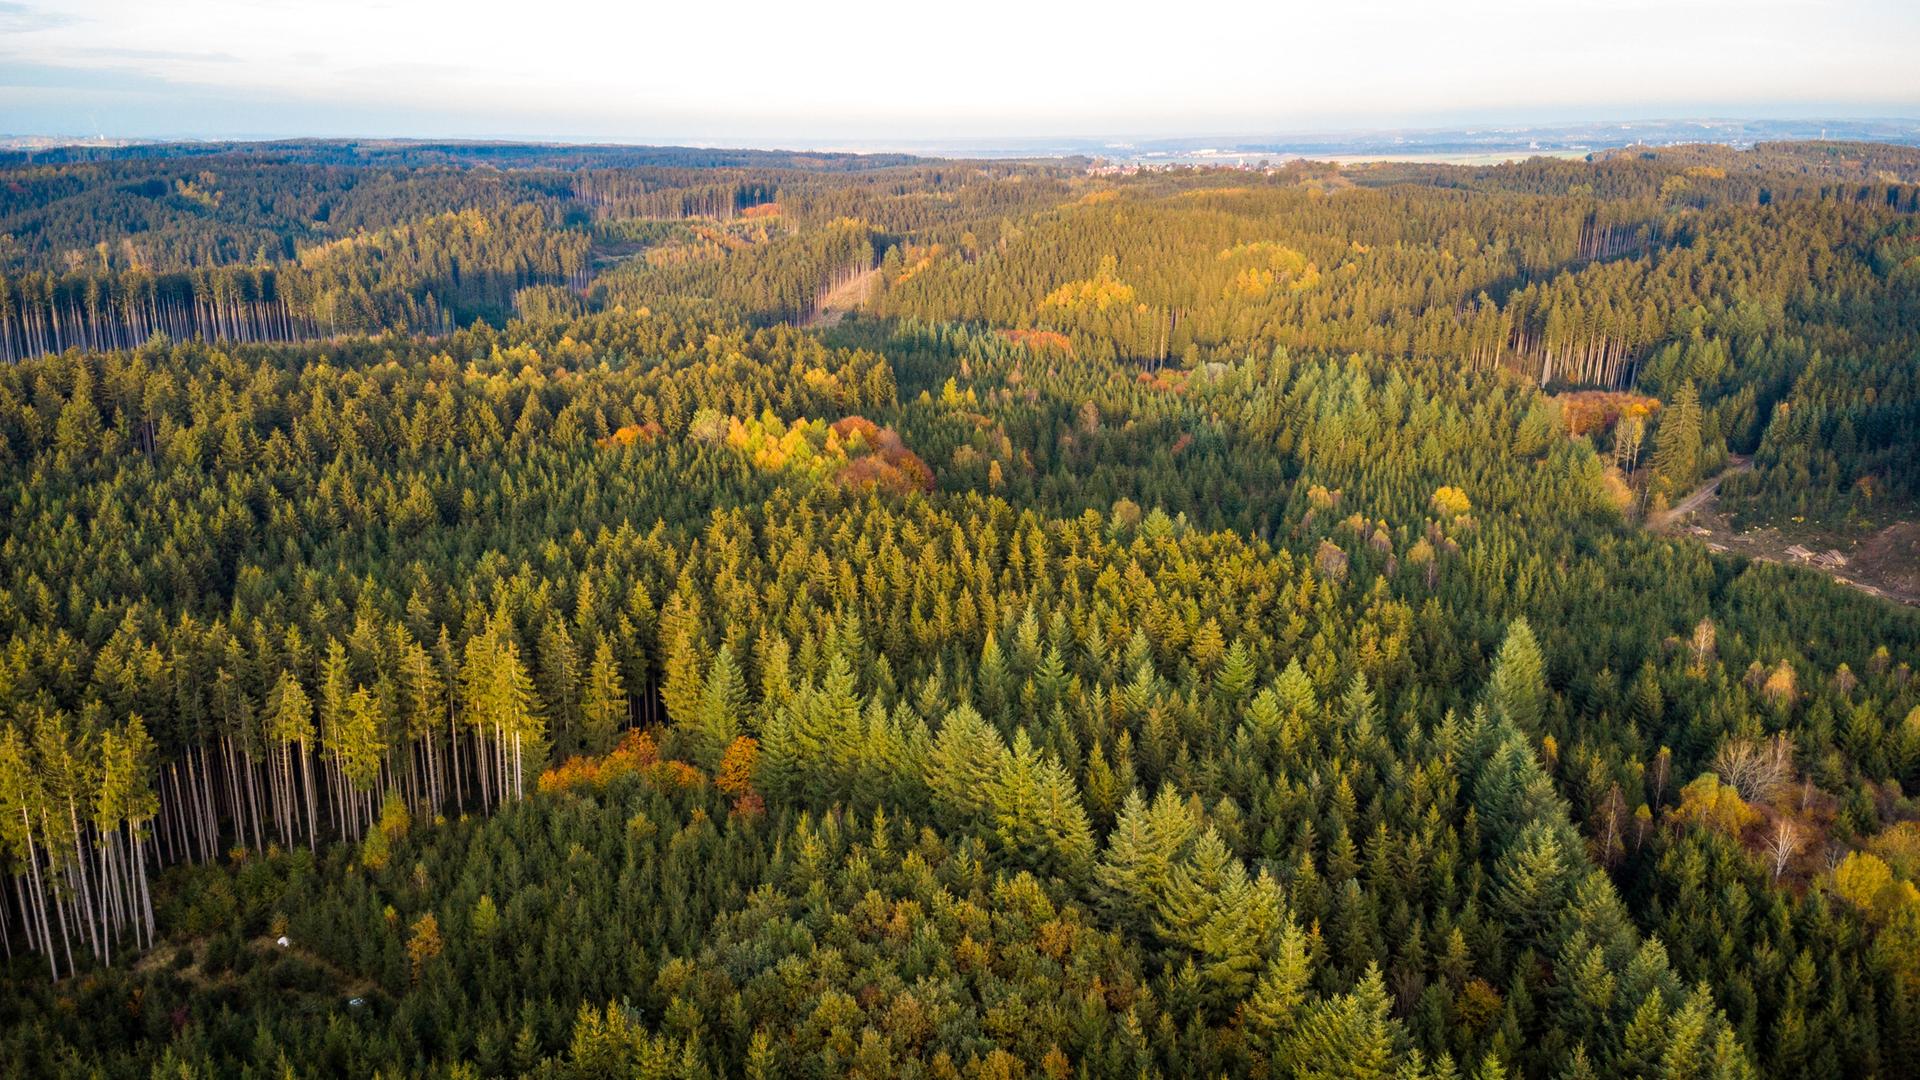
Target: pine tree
x=1351, y=1037
x=603, y=710
x=1037, y=815
x=519, y=717
x=1236, y=676
x=1136, y=872
x=359, y=748
x=683, y=687
x=1269, y=1014
x=1518, y=684
x=1533, y=881
x=716, y=721
x=1676, y=444
x=963, y=767
x=559, y=681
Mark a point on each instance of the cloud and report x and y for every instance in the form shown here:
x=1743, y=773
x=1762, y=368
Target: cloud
x=21, y=74
x=114, y=52
x=16, y=17
x=871, y=67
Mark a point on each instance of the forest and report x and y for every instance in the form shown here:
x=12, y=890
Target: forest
x=486, y=610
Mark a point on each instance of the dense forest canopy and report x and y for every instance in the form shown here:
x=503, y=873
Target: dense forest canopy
x=481, y=610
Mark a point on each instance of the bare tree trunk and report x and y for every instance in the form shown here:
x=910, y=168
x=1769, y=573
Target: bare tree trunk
x=80, y=871
x=39, y=896
x=306, y=765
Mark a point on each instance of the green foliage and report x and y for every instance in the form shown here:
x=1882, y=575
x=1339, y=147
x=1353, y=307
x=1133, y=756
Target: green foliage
x=1190, y=718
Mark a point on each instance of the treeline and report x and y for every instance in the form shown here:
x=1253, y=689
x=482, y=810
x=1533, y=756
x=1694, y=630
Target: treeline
x=702, y=193
x=160, y=215
x=1211, y=273
x=1874, y=175
x=421, y=278
x=412, y=154
x=305, y=241
x=1414, y=272
x=155, y=209
x=783, y=279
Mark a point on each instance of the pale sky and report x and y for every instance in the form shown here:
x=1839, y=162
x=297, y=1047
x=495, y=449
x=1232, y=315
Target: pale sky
x=798, y=71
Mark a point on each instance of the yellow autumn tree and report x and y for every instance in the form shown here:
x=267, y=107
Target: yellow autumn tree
x=423, y=943
x=1451, y=501
x=1867, y=882
x=1101, y=291
x=1710, y=804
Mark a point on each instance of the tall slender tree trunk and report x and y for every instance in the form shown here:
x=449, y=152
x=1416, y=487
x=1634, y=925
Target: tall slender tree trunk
x=39, y=896
x=313, y=824
x=80, y=871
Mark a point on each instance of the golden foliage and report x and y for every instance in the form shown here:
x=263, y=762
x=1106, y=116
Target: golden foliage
x=1451, y=501
x=735, y=776
x=1867, y=882
x=423, y=943
x=1616, y=490
x=1331, y=561
x=1710, y=804
x=636, y=752
x=1215, y=192
x=1899, y=846
x=1477, y=1004
x=1165, y=380
x=1780, y=689
x=853, y=452
x=1267, y=265
x=1101, y=291
x=394, y=822
x=920, y=264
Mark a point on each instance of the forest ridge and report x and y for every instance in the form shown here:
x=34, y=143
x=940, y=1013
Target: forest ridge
x=500, y=610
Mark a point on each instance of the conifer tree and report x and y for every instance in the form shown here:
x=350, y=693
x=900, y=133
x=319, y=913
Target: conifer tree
x=1519, y=686
x=603, y=708
x=1676, y=443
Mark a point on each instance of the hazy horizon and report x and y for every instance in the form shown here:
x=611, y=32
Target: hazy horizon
x=864, y=73
x=804, y=140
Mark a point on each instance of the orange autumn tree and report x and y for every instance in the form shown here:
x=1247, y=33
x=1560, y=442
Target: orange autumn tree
x=1040, y=340
x=853, y=452
x=735, y=776
x=1589, y=412
x=636, y=752
x=628, y=434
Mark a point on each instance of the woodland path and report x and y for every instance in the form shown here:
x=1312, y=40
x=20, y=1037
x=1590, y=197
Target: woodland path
x=1882, y=565
x=1701, y=496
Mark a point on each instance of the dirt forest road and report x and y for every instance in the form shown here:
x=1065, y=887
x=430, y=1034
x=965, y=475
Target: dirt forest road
x=1701, y=497
x=1886, y=565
